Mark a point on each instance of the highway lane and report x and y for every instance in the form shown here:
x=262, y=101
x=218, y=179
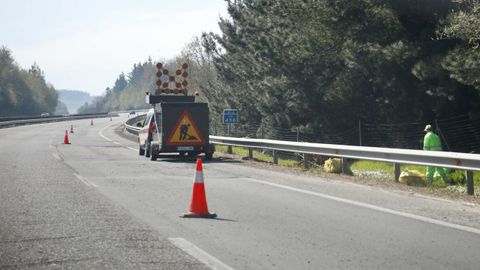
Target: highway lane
x=51, y=219
x=269, y=219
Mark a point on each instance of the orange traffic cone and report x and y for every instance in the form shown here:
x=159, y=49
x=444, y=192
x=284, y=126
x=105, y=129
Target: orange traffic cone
x=91, y=122
x=65, y=139
x=71, y=128
x=198, y=205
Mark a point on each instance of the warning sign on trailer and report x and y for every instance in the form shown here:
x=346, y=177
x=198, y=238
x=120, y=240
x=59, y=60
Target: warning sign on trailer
x=185, y=132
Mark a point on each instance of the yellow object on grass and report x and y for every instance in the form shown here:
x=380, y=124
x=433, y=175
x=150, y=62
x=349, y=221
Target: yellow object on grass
x=334, y=165
x=412, y=178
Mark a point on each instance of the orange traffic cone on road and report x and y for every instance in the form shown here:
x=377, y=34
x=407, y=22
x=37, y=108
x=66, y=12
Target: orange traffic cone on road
x=71, y=128
x=198, y=205
x=65, y=139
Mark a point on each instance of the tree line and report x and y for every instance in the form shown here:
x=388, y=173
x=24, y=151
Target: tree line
x=23, y=92
x=320, y=66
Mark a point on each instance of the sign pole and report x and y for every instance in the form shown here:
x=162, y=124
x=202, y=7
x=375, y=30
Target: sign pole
x=229, y=148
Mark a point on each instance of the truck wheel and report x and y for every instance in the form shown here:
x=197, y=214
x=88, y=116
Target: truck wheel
x=153, y=156
x=141, y=151
x=208, y=156
x=147, y=150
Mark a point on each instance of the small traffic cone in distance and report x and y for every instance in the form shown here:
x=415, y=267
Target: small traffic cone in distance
x=198, y=205
x=65, y=139
x=71, y=128
x=91, y=122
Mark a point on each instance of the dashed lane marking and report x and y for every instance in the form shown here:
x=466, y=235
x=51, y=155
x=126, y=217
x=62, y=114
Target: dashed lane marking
x=56, y=156
x=85, y=181
x=199, y=254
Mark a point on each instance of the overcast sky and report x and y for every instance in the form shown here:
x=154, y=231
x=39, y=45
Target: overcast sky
x=85, y=44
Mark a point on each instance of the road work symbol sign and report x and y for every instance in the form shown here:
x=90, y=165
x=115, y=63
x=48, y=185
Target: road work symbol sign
x=185, y=132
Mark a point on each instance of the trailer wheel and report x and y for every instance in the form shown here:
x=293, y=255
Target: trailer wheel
x=153, y=156
x=147, y=149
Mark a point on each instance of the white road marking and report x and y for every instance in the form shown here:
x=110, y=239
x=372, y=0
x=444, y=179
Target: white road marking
x=56, y=156
x=85, y=181
x=199, y=254
x=103, y=136
x=110, y=140
x=370, y=206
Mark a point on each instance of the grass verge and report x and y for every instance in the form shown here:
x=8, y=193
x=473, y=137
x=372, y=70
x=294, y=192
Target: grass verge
x=377, y=170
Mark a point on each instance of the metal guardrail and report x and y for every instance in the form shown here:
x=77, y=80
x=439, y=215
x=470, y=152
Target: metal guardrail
x=129, y=127
x=463, y=161
x=12, y=123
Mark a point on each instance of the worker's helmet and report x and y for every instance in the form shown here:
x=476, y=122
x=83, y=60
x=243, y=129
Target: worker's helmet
x=428, y=128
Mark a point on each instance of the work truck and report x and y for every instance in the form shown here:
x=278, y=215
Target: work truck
x=175, y=124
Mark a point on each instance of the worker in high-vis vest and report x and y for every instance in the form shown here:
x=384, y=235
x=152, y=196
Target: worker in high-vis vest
x=431, y=142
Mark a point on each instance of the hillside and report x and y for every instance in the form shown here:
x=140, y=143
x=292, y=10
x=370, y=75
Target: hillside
x=73, y=99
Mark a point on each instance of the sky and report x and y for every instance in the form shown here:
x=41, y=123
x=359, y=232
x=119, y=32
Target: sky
x=85, y=44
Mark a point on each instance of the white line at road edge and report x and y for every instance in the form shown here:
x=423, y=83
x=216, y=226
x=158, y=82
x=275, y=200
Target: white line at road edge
x=110, y=140
x=370, y=206
x=199, y=254
x=101, y=132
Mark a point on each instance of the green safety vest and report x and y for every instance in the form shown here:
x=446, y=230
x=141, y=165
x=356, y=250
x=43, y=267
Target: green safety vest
x=432, y=142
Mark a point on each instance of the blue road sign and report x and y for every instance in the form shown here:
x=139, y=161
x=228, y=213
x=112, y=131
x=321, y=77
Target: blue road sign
x=230, y=116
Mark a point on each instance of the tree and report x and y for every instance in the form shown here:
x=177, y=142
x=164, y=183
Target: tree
x=463, y=61
x=24, y=92
x=323, y=65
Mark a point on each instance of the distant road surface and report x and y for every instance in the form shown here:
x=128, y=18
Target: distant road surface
x=96, y=204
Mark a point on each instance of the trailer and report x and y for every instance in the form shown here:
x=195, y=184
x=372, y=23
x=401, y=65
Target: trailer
x=175, y=124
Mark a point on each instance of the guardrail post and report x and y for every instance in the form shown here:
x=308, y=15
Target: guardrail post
x=397, y=171
x=470, y=190
x=344, y=165
x=306, y=158
x=275, y=157
x=229, y=149
x=250, y=153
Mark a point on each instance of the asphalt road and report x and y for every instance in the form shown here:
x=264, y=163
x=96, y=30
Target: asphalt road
x=96, y=204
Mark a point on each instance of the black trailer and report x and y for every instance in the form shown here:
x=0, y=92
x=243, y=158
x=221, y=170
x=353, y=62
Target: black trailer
x=175, y=124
